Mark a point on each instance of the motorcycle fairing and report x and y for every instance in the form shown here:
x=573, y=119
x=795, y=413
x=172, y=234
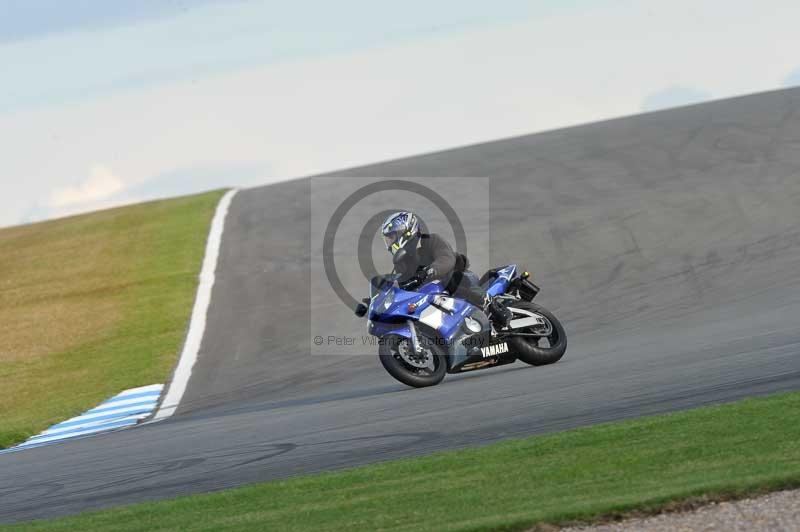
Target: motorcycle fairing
x=502, y=278
x=430, y=306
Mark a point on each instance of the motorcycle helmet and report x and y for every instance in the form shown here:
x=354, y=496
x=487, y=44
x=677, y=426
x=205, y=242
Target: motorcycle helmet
x=401, y=230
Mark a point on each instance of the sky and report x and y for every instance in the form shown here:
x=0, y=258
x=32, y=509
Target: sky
x=107, y=103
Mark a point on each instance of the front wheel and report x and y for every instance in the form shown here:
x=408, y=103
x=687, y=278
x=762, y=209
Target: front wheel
x=530, y=349
x=427, y=368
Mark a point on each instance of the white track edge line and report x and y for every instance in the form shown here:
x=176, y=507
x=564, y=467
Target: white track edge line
x=197, y=324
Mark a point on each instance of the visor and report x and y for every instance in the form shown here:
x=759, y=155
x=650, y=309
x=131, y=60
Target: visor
x=392, y=241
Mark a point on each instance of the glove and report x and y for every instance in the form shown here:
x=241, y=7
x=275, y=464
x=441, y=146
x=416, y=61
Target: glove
x=417, y=279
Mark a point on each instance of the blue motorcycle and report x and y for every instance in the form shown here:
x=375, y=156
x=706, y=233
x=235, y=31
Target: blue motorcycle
x=424, y=333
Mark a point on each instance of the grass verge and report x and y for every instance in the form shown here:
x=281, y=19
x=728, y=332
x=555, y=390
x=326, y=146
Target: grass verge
x=94, y=304
x=582, y=474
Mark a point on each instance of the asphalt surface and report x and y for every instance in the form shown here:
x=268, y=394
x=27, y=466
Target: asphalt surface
x=668, y=243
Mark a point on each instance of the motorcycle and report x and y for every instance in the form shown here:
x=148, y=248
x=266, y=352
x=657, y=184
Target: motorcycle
x=424, y=333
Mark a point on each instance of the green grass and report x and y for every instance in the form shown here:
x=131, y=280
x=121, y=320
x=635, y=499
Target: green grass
x=581, y=474
x=94, y=304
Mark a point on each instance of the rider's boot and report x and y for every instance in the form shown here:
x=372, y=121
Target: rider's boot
x=498, y=313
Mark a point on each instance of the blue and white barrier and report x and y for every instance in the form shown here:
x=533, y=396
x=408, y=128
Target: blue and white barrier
x=122, y=410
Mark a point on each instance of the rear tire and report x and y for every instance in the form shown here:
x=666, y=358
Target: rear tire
x=527, y=348
x=393, y=362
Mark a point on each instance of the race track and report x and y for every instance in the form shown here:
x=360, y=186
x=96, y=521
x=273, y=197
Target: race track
x=668, y=243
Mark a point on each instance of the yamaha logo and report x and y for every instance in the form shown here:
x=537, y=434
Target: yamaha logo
x=494, y=350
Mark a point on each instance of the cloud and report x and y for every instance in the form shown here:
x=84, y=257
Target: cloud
x=674, y=96
x=32, y=19
x=101, y=184
x=118, y=46
x=194, y=178
x=301, y=117
x=103, y=189
x=793, y=79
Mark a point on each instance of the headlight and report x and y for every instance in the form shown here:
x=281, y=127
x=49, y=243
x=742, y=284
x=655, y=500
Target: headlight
x=387, y=301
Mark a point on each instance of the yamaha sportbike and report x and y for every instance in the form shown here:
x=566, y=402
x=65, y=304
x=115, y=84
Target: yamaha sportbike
x=424, y=333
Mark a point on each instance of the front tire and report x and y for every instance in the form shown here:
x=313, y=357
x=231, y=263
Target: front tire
x=393, y=353
x=528, y=349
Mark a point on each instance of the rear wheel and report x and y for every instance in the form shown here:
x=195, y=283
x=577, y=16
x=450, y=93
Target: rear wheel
x=542, y=350
x=426, y=368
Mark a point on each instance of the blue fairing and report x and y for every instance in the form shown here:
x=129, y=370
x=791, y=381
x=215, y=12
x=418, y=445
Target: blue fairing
x=502, y=279
x=391, y=302
x=379, y=329
x=391, y=307
x=393, y=319
x=433, y=313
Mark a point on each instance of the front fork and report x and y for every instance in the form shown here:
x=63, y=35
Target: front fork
x=414, y=338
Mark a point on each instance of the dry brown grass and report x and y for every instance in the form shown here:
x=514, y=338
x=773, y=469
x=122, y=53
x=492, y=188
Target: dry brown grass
x=93, y=304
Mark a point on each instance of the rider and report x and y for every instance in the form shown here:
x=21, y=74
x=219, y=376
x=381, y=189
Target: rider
x=429, y=257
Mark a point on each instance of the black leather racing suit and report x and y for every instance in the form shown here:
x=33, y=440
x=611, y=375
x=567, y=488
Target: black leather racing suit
x=435, y=256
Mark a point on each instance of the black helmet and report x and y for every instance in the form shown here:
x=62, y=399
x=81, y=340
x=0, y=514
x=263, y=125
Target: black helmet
x=401, y=229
